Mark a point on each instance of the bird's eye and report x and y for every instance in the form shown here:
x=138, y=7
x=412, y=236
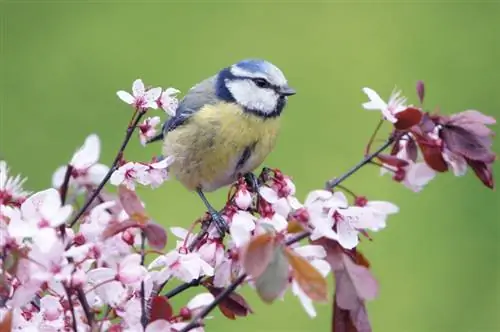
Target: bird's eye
x=262, y=83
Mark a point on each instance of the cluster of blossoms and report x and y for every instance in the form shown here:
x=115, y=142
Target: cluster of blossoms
x=65, y=267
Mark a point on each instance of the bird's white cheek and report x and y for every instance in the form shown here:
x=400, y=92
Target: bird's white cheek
x=249, y=95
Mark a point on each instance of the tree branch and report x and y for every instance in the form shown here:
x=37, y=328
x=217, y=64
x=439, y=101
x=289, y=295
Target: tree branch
x=128, y=135
x=331, y=184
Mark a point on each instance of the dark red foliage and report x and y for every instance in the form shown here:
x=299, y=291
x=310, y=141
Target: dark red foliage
x=232, y=306
x=350, y=320
x=483, y=171
x=408, y=118
x=160, y=308
x=392, y=160
x=432, y=154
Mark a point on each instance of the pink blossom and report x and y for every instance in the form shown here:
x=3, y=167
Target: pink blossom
x=11, y=188
x=141, y=98
x=128, y=174
x=147, y=129
x=183, y=266
x=85, y=167
x=168, y=101
x=395, y=104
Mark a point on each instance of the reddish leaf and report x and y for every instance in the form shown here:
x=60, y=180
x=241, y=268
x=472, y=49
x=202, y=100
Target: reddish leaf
x=467, y=144
x=483, y=171
x=333, y=252
x=392, y=160
x=273, y=281
x=132, y=204
x=160, y=308
x=232, y=306
x=156, y=235
x=472, y=121
x=412, y=150
x=433, y=156
x=355, y=320
x=408, y=118
x=257, y=254
x=6, y=321
x=308, y=277
x=360, y=259
x=117, y=227
x=427, y=125
x=354, y=283
x=341, y=319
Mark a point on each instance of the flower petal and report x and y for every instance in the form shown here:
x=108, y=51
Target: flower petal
x=88, y=154
x=126, y=97
x=375, y=103
x=138, y=89
x=200, y=300
x=268, y=194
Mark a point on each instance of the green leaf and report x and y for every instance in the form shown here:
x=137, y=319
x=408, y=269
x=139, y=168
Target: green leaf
x=274, y=280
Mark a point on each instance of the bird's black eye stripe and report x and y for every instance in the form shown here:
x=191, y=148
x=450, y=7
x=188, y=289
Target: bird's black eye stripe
x=261, y=82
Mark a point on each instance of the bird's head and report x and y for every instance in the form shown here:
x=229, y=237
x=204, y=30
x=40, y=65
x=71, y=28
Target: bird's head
x=257, y=85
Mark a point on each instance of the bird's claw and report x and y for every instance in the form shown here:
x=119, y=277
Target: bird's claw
x=252, y=181
x=219, y=222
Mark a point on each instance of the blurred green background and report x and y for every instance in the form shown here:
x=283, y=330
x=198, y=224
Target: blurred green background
x=438, y=260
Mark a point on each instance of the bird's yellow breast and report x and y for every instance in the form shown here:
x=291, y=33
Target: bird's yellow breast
x=209, y=145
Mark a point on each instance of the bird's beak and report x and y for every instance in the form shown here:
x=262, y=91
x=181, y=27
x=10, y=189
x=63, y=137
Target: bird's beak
x=287, y=91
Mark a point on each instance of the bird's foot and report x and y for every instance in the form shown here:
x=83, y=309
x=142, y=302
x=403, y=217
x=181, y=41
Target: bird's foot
x=252, y=182
x=219, y=222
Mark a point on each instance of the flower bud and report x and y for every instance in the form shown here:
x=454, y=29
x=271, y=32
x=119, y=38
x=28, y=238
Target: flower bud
x=243, y=199
x=360, y=201
x=421, y=91
x=185, y=313
x=128, y=237
x=399, y=175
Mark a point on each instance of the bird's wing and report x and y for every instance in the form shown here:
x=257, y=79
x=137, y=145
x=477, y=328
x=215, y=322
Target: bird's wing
x=198, y=96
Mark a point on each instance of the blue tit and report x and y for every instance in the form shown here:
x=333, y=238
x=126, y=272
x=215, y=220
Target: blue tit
x=225, y=126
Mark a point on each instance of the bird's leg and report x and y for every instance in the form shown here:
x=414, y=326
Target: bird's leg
x=252, y=181
x=219, y=221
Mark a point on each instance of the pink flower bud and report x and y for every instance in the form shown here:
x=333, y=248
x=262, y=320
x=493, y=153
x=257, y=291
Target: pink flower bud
x=421, y=91
x=185, y=313
x=128, y=237
x=399, y=175
x=79, y=239
x=302, y=215
x=360, y=201
x=243, y=199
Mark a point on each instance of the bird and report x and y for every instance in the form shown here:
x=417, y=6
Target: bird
x=224, y=127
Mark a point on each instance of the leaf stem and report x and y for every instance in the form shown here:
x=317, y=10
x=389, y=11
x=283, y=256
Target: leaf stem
x=372, y=138
x=119, y=155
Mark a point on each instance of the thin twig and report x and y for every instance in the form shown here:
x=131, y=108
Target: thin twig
x=336, y=181
x=144, y=318
x=130, y=131
x=72, y=309
x=85, y=305
x=182, y=287
x=64, y=187
x=372, y=138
